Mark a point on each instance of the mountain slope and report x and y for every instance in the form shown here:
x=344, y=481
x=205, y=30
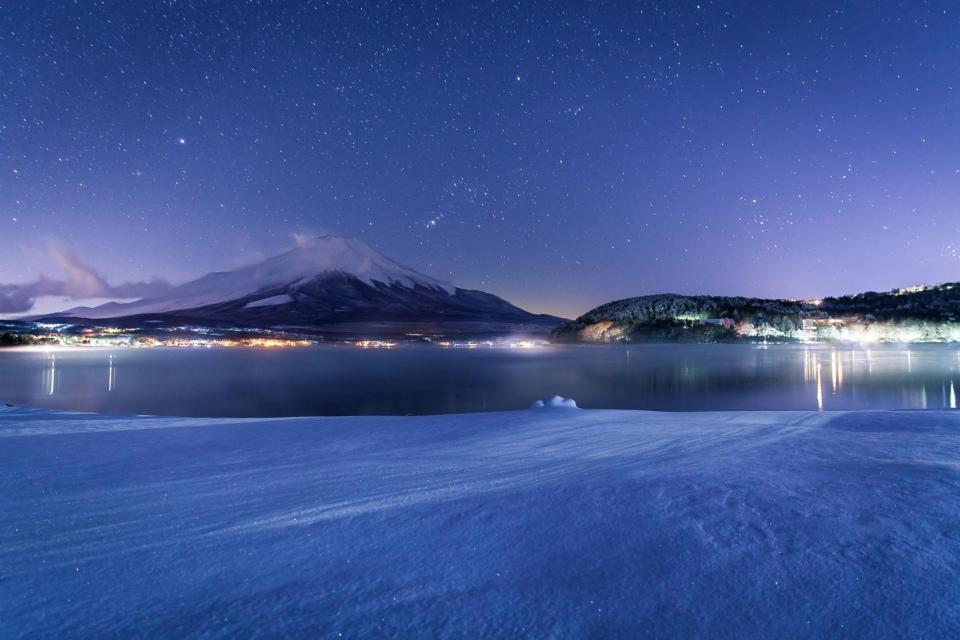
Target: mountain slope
x=329, y=280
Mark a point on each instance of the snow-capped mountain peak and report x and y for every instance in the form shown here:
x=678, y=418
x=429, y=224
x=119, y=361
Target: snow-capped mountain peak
x=313, y=258
x=339, y=254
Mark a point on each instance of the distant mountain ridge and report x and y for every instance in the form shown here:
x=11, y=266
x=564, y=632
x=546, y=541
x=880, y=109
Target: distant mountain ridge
x=328, y=282
x=922, y=313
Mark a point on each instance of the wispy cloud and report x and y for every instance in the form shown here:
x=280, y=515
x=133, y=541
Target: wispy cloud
x=81, y=281
x=306, y=237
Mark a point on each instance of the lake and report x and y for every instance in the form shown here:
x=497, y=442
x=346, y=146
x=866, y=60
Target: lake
x=345, y=380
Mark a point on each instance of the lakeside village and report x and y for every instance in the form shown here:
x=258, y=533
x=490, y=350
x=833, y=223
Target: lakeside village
x=818, y=325
x=822, y=328
x=915, y=314
x=39, y=334
x=813, y=328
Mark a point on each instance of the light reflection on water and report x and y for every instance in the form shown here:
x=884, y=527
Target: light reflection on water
x=48, y=382
x=111, y=373
x=415, y=380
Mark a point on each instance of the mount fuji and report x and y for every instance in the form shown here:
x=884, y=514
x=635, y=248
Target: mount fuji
x=326, y=284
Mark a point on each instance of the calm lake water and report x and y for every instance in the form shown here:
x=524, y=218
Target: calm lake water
x=339, y=380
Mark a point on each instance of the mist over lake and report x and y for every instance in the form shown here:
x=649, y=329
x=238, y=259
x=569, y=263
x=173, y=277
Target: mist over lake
x=344, y=380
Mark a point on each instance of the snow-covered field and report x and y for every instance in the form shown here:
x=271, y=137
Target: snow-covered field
x=554, y=522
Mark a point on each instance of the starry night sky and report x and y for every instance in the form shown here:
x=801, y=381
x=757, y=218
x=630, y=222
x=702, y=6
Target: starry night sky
x=558, y=154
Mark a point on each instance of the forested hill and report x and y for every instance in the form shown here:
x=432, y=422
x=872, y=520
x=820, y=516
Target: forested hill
x=924, y=313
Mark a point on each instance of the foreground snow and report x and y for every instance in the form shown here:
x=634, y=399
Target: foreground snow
x=551, y=522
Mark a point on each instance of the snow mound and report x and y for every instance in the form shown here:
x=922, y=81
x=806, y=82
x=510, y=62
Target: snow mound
x=272, y=301
x=556, y=402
